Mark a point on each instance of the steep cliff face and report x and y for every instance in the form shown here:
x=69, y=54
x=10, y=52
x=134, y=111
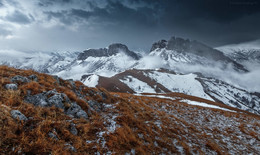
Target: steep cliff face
x=43, y=114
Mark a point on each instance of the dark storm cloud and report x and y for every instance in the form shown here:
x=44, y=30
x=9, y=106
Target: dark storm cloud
x=113, y=12
x=214, y=22
x=220, y=10
x=136, y=23
x=19, y=17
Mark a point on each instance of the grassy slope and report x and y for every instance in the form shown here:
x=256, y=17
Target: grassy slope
x=126, y=123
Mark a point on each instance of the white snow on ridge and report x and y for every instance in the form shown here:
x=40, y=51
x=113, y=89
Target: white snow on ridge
x=137, y=85
x=238, y=47
x=186, y=84
x=92, y=81
x=201, y=104
x=103, y=66
x=205, y=105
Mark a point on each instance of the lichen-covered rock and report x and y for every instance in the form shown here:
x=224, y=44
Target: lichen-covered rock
x=72, y=83
x=70, y=147
x=16, y=114
x=11, y=86
x=76, y=111
x=103, y=95
x=96, y=106
x=19, y=78
x=53, y=135
x=53, y=98
x=73, y=129
x=57, y=79
x=33, y=78
x=38, y=100
x=58, y=99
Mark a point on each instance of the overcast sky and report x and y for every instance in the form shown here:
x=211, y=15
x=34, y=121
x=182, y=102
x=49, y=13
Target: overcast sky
x=53, y=25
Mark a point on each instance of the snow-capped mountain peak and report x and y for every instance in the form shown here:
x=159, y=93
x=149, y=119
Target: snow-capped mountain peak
x=178, y=50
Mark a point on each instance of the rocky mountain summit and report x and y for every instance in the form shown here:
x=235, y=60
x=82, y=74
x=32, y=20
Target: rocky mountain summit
x=188, y=50
x=112, y=49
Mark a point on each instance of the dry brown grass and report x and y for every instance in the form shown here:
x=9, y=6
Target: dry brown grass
x=143, y=125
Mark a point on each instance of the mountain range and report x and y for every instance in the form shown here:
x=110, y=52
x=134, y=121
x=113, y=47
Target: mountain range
x=162, y=70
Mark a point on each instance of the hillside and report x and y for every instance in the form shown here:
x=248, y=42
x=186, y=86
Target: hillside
x=43, y=114
x=166, y=81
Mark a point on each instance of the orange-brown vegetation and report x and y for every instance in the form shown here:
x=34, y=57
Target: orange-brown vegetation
x=124, y=123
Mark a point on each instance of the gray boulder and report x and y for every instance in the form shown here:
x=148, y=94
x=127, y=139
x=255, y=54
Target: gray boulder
x=11, y=86
x=16, y=114
x=38, y=100
x=57, y=79
x=53, y=135
x=56, y=99
x=70, y=147
x=19, y=78
x=73, y=129
x=76, y=111
x=96, y=106
x=33, y=78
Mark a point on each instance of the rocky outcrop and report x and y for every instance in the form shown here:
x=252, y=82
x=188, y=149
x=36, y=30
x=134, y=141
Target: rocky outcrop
x=11, y=86
x=16, y=114
x=21, y=79
x=113, y=49
x=160, y=44
x=59, y=100
x=33, y=78
x=73, y=129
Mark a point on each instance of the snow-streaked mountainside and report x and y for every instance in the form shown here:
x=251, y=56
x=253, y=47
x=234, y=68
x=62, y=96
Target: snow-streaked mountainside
x=40, y=61
x=247, y=54
x=178, y=50
x=117, y=58
x=165, y=81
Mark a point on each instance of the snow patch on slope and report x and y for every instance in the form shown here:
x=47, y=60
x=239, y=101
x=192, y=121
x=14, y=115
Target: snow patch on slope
x=137, y=85
x=205, y=105
x=92, y=81
x=186, y=84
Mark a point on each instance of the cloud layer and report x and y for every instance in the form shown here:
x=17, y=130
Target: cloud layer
x=81, y=24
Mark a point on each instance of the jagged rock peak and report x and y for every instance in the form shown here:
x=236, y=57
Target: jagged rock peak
x=178, y=44
x=175, y=43
x=159, y=44
x=113, y=49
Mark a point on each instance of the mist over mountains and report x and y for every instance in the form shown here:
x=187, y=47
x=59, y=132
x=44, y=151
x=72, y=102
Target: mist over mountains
x=227, y=63
x=187, y=66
